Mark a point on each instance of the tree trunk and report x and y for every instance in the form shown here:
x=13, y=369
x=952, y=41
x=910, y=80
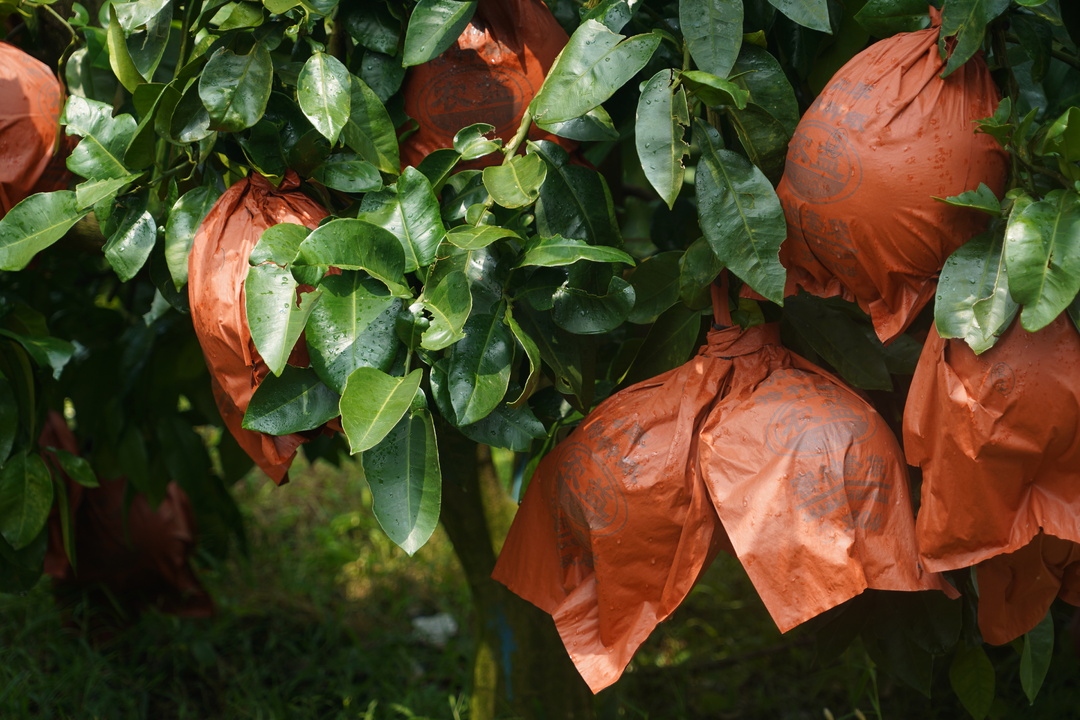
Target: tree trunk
x=520, y=667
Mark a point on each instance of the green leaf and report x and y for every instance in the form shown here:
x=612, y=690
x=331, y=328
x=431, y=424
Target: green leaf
x=471, y=237
x=512, y=428
x=740, y=216
x=433, y=27
x=593, y=65
x=532, y=352
x=34, y=224
x=972, y=677
x=613, y=13
x=146, y=46
x=369, y=130
x=20, y=570
x=593, y=126
x=840, y=334
x=656, y=286
x=884, y=18
x=77, y=468
x=373, y=26
x=130, y=246
x=713, y=32
x=1042, y=253
x=574, y=201
x=274, y=316
x=813, y=14
x=186, y=215
x=698, y=267
x=973, y=300
x=373, y=403
x=478, y=373
x=324, y=92
x=189, y=121
x=348, y=172
x=437, y=166
x=294, y=401
x=763, y=137
x=9, y=418
x=967, y=20
x=133, y=15
x=558, y=251
x=352, y=326
x=584, y=313
x=235, y=88
x=26, y=494
x=356, y=245
x=517, y=183
x=472, y=142
x=714, y=91
x=406, y=481
x=279, y=244
x=91, y=192
x=411, y=212
x=449, y=302
x=671, y=341
x=119, y=57
x=46, y=351
x=1063, y=136
x=1036, y=656
x=562, y=351
x=100, y=154
x=758, y=72
x=662, y=119
x=981, y=199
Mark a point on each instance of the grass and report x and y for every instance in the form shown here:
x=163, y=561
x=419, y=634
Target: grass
x=317, y=623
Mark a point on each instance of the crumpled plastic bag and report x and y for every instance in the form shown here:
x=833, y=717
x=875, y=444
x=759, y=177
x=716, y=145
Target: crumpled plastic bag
x=883, y=138
x=143, y=561
x=621, y=517
x=489, y=75
x=217, y=268
x=30, y=103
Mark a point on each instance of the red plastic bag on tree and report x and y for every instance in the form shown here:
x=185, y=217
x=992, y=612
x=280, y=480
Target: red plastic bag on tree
x=884, y=137
x=489, y=75
x=217, y=268
x=620, y=519
x=30, y=103
x=143, y=558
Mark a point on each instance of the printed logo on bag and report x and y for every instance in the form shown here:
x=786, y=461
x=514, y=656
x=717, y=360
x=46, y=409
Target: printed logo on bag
x=588, y=495
x=852, y=492
x=469, y=92
x=1002, y=379
x=822, y=167
x=814, y=417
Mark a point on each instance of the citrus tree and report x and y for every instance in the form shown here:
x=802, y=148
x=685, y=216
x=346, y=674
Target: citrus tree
x=498, y=288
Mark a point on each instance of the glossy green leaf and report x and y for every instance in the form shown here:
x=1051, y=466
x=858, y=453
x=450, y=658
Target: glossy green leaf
x=1042, y=253
x=472, y=142
x=512, y=428
x=189, y=121
x=449, y=301
x=99, y=155
x=1063, y=136
x=698, y=267
x=558, y=251
x=584, y=313
x=238, y=15
x=323, y=90
x=532, y=352
x=884, y=18
x=274, y=315
x=764, y=139
x=352, y=326
x=433, y=27
x=129, y=247
x=77, y=468
x=478, y=372
x=9, y=418
x=671, y=341
x=574, y=201
x=186, y=215
x=356, y=245
x=713, y=32
x=563, y=352
x=973, y=300
x=26, y=494
x=760, y=74
x=369, y=130
x=411, y=212
x=740, y=216
x=517, y=183
x=406, y=481
x=813, y=14
x=349, y=173
x=981, y=199
x=382, y=73
x=34, y=224
x=91, y=192
x=294, y=401
x=20, y=570
x=472, y=237
x=714, y=91
x=119, y=57
x=593, y=126
x=1036, y=656
x=840, y=334
x=235, y=88
x=614, y=14
x=437, y=166
x=659, y=130
x=373, y=26
x=593, y=65
x=48, y=352
x=147, y=42
x=972, y=677
x=656, y=286
x=279, y=244
x=133, y=15
x=967, y=20
x=373, y=403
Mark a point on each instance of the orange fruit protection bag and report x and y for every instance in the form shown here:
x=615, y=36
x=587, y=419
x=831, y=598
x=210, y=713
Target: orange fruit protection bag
x=489, y=75
x=997, y=436
x=217, y=268
x=30, y=103
x=885, y=136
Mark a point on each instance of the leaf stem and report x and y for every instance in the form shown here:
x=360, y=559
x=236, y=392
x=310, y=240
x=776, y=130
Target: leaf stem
x=519, y=137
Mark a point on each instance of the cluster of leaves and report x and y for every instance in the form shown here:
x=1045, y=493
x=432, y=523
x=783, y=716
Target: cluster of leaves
x=503, y=302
